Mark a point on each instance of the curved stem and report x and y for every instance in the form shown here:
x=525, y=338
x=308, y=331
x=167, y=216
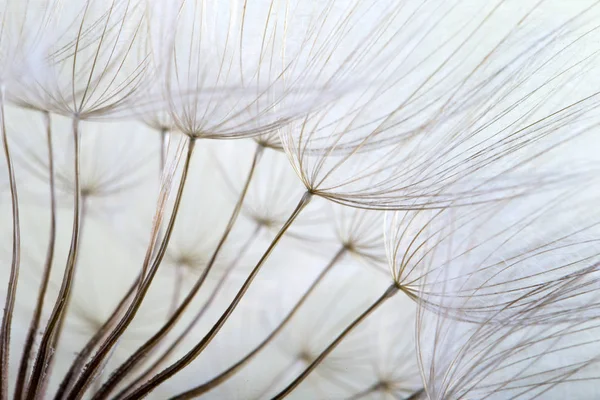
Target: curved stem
x=38, y=375
x=175, y=344
x=389, y=293
x=82, y=356
x=224, y=376
x=201, y=345
x=37, y=312
x=63, y=318
x=11, y=293
x=143, y=351
x=90, y=369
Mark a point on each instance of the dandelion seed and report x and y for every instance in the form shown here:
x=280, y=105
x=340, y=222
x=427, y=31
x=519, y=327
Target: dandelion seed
x=421, y=141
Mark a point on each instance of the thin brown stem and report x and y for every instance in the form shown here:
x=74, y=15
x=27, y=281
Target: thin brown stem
x=225, y=375
x=38, y=375
x=82, y=356
x=190, y=356
x=63, y=318
x=175, y=343
x=389, y=293
x=11, y=292
x=143, y=351
x=37, y=312
x=90, y=369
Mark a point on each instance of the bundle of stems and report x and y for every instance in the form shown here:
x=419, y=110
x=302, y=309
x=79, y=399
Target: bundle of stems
x=270, y=199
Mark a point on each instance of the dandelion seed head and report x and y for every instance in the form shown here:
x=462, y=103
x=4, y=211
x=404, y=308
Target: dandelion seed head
x=404, y=207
